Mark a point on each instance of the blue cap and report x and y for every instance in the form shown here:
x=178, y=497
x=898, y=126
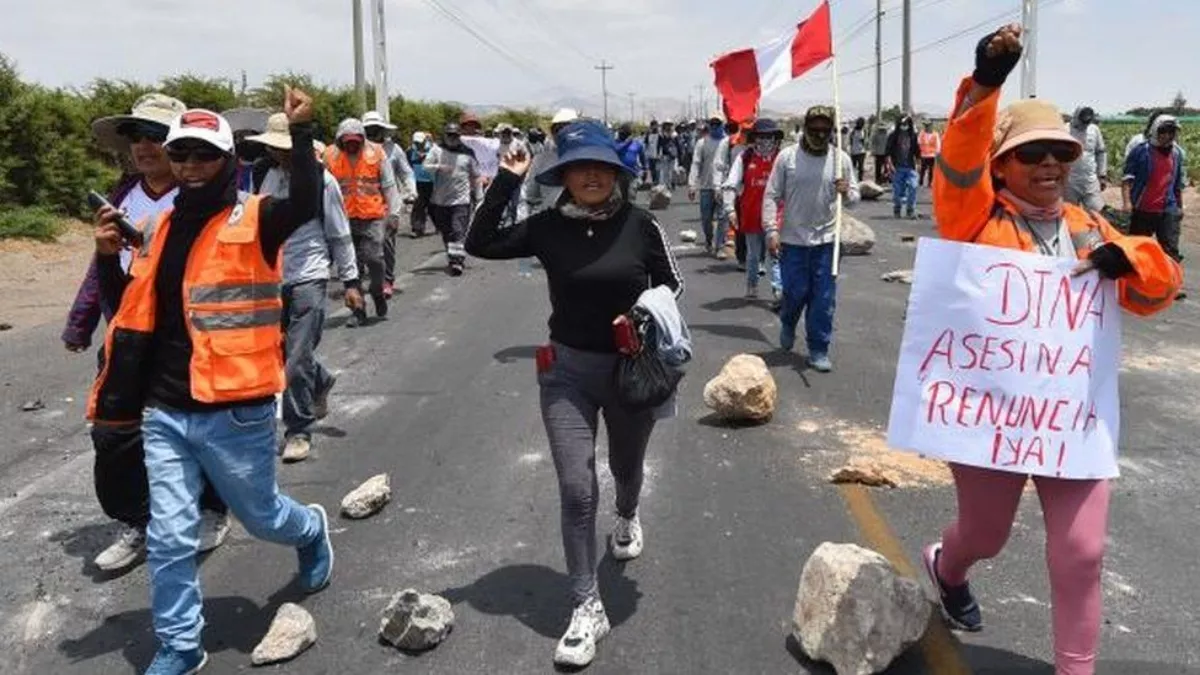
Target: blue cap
x=764, y=126
x=581, y=141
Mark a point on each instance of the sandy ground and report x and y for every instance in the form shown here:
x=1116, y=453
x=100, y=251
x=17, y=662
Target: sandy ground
x=38, y=280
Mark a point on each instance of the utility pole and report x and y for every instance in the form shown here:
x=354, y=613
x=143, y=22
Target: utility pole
x=360, y=83
x=604, y=67
x=700, y=111
x=1029, y=12
x=632, y=118
x=906, y=91
x=878, y=61
x=379, y=31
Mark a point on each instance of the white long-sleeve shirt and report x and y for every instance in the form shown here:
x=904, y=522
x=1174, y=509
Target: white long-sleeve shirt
x=805, y=185
x=703, y=174
x=406, y=181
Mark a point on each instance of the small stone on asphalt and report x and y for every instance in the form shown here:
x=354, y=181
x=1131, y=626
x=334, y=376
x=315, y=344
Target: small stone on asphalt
x=292, y=631
x=415, y=621
x=368, y=498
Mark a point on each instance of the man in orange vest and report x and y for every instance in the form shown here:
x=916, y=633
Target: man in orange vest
x=193, y=355
x=369, y=190
x=930, y=143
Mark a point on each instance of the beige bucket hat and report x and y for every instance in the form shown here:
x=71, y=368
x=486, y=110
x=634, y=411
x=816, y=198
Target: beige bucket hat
x=277, y=135
x=155, y=107
x=1030, y=120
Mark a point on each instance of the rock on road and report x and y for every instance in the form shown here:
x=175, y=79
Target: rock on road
x=442, y=397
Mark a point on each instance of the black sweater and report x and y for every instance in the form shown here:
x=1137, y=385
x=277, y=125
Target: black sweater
x=170, y=374
x=593, y=279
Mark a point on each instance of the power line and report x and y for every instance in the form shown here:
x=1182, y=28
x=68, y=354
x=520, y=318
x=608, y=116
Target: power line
x=548, y=32
x=451, y=15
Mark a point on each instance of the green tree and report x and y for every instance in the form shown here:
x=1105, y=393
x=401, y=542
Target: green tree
x=212, y=93
x=1179, y=103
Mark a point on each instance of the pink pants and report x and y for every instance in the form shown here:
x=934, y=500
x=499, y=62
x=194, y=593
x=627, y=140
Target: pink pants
x=1076, y=514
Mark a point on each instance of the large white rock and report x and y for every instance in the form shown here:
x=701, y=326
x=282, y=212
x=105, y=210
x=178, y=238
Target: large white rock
x=660, y=197
x=744, y=390
x=900, y=276
x=688, y=236
x=415, y=621
x=855, y=612
x=368, y=498
x=292, y=631
x=870, y=190
x=857, y=237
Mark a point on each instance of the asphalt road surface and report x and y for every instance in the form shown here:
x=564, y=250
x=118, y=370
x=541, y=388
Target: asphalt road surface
x=443, y=398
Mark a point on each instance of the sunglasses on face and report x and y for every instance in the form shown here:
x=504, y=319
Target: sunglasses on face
x=1034, y=153
x=199, y=153
x=136, y=132
x=1168, y=131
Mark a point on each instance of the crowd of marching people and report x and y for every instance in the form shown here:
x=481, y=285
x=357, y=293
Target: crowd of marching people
x=244, y=221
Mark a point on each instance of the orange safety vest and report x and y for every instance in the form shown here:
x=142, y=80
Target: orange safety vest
x=967, y=208
x=928, y=141
x=231, y=299
x=360, y=180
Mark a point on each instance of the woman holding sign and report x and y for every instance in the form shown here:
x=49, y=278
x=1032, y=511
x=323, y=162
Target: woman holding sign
x=1000, y=181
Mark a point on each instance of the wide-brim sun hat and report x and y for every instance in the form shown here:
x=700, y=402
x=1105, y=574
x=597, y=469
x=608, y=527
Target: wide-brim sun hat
x=153, y=108
x=1027, y=121
x=582, y=141
x=565, y=116
x=278, y=133
x=247, y=120
x=201, y=125
x=374, y=119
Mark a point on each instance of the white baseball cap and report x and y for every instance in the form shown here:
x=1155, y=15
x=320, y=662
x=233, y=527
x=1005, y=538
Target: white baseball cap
x=374, y=119
x=419, y=137
x=201, y=125
x=565, y=116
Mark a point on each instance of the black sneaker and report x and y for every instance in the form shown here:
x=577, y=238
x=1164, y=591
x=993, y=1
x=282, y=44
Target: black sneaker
x=381, y=307
x=896, y=212
x=357, y=318
x=958, y=604
x=455, y=269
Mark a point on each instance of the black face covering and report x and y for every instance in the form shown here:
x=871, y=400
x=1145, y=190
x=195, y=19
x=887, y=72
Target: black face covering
x=200, y=204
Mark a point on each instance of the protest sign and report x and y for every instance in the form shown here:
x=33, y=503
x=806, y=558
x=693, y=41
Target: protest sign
x=487, y=153
x=1008, y=362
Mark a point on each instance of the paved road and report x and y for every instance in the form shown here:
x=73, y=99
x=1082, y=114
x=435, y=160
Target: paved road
x=442, y=397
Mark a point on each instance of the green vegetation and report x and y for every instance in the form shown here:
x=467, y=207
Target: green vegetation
x=1117, y=135
x=30, y=222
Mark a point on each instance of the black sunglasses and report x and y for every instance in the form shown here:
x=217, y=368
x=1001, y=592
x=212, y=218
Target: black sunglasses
x=137, y=132
x=199, y=153
x=1035, y=152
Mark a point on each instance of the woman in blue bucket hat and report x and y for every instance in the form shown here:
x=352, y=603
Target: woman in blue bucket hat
x=600, y=253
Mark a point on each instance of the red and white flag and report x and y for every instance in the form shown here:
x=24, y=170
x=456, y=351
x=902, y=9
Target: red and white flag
x=745, y=76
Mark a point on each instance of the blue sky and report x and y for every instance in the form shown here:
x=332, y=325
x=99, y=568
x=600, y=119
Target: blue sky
x=660, y=48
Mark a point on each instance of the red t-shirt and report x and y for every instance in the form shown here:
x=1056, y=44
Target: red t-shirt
x=1161, y=182
x=756, y=169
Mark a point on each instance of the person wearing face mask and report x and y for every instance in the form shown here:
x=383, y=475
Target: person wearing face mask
x=858, y=146
x=903, y=157
x=456, y=186
x=1000, y=181
x=668, y=156
x=879, y=152
x=1152, y=187
x=703, y=180
x=372, y=200
x=931, y=144
x=193, y=356
x=805, y=180
x=424, y=180
x=379, y=131
x=1089, y=173
x=119, y=468
x=600, y=253
x=652, y=141
x=745, y=189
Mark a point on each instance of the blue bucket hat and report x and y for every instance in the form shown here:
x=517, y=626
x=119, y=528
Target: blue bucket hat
x=582, y=141
x=766, y=127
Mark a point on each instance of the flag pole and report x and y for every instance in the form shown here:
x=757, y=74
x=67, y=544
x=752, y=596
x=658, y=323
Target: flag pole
x=837, y=165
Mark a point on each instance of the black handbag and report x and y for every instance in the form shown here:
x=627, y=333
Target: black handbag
x=644, y=380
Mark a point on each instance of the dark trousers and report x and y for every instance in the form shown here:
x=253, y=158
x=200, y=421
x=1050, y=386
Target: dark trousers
x=809, y=289
x=303, y=320
x=420, y=208
x=389, y=251
x=926, y=169
x=368, y=236
x=1163, y=226
x=452, y=223
x=860, y=164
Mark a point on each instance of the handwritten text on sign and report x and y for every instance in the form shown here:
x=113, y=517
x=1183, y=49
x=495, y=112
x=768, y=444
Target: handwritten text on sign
x=1008, y=362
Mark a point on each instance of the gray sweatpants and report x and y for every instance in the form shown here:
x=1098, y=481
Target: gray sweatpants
x=368, y=247
x=574, y=391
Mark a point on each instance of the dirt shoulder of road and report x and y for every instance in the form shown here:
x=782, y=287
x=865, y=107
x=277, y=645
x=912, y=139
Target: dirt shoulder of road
x=38, y=280
x=1191, y=210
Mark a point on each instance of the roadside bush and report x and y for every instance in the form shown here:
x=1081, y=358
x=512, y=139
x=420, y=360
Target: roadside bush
x=30, y=222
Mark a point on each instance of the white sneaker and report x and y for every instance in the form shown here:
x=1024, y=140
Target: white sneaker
x=627, y=538
x=127, y=550
x=296, y=449
x=214, y=527
x=589, y=624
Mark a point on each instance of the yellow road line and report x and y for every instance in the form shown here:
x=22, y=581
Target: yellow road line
x=938, y=646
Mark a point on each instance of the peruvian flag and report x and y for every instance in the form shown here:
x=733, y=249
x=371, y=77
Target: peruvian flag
x=744, y=77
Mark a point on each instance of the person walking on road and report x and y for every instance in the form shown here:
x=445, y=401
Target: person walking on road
x=668, y=156
x=745, y=189
x=1153, y=184
x=804, y=179
x=879, y=151
x=930, y=142
x=702, y=180
x=193, y=356
x=653, y=145
x=416, y=159
x=858, y=146
x=456, y=185
x=600, y=253
x=729, y=151
x=307, y=257
x=119, y=470
x=1000, y=181
x=379, y=131
x=1089, y=173
x=903, y=158
x=633, y=153
x=372, y=200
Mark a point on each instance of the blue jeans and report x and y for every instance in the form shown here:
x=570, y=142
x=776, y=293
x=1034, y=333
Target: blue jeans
x=710, y=210
x=904, y=188
x=235, y=450
x=755, y=243
x=809, y=288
